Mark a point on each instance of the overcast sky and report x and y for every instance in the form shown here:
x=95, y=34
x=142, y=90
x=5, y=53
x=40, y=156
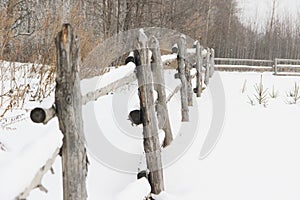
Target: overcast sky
x=261, y=9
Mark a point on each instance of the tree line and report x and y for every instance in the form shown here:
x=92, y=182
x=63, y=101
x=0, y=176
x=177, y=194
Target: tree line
x=28, y=28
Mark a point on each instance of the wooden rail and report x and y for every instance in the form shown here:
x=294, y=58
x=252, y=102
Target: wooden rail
x=243, y=60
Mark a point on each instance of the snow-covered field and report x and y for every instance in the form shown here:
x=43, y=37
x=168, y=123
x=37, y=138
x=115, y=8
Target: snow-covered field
x=257, y=156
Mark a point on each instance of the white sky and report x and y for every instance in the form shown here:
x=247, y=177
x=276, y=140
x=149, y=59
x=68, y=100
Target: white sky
x=261, y=9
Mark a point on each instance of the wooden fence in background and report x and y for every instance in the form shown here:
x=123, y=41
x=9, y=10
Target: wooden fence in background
x=279, y=66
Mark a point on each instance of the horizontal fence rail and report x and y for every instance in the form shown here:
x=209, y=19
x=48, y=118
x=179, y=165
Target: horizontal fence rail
x=287, y=60
x=243, y=60
x=286, y=66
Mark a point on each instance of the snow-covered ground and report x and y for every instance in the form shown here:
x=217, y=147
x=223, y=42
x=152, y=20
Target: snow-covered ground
x=257, y=156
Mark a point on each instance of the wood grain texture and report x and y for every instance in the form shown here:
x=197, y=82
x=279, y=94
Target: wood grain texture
x=159, y=86
x=69, y=112
x=150, y=127
x=184, y=84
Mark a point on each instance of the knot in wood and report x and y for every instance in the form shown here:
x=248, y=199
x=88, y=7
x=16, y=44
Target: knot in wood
x=68, y=98
x=64, y=35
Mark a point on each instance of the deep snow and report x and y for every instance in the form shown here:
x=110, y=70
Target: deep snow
x=257, y=156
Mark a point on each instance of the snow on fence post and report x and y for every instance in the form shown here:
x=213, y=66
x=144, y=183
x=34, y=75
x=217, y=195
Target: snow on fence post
x=69, y=112
x=199, y=64
x=207, y=67
x=150, y=127
x=159, y=86
x=275, y=66
x=212, y=62
x=182, y=76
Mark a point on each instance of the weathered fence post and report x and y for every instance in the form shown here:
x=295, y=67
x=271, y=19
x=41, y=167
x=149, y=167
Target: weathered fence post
x=199, y=64
x=159, y=86
x=189, y=82
x=150, y=128
x=69, y=113
x=212, y=62
x=207, y=67
x=182, y=76
x=275, y=66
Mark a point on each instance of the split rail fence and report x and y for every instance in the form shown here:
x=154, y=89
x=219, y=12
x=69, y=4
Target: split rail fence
x=153, y=112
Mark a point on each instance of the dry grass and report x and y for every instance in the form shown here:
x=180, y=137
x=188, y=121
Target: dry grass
x=24, y=82
x=18, y=82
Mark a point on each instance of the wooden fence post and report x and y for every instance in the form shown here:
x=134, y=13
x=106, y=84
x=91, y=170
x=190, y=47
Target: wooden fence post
x=159, y=86
x=212, y=62
x=69, y=113
x=150, y=128
x=207, y=67
x=182, y=76
x=275, y=66
x=189, y=82
x=199, y=64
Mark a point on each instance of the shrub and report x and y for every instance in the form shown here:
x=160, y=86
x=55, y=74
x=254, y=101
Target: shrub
x=293, y=95
x=261, y=93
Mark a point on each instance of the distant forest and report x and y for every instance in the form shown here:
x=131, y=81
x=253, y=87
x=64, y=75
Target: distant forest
x=28, y=28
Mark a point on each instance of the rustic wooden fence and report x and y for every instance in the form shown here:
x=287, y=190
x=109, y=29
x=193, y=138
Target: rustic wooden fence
x=279, y=66
x=153, y=112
